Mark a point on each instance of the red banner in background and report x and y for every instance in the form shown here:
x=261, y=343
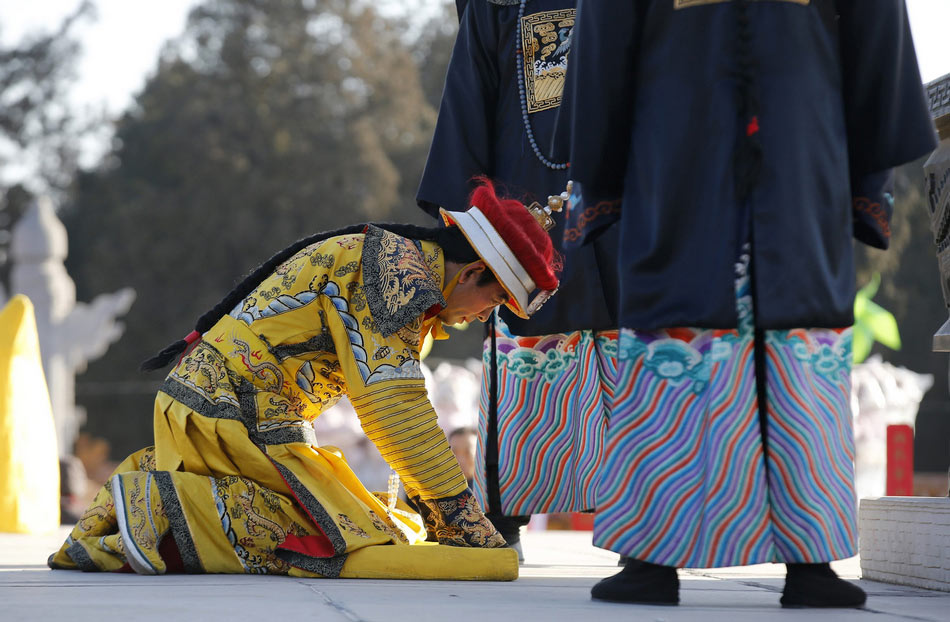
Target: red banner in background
x=900, y=460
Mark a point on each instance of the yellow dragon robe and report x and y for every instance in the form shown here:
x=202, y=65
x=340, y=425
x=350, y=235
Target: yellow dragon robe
x=236, y=483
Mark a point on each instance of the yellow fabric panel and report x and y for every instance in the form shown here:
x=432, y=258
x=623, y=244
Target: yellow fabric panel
x=324, y=470
x=29, y=460
x=433, y=562
x=207, y=446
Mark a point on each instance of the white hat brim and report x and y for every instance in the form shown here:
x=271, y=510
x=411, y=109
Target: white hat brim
x=496, y=253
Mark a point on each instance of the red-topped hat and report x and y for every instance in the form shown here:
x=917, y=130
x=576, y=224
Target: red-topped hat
x=512, y=242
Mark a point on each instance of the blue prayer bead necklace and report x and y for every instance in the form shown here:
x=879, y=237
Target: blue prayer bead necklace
x=519, y=71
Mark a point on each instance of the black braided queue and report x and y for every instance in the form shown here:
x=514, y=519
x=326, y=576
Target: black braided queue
x=454, y=245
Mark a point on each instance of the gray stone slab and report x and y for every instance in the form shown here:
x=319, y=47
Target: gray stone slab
x=554, y=587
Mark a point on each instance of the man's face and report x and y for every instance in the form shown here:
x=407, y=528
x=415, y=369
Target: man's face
x=470, y=301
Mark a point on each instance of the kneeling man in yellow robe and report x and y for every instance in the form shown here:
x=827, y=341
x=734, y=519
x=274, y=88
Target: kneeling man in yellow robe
x=236, y=482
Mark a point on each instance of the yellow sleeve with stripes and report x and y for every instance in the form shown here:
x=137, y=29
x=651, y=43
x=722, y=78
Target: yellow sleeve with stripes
x=386, y=387
x=401, y=422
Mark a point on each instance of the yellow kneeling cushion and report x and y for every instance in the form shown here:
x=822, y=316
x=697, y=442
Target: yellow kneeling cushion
x=428, y=561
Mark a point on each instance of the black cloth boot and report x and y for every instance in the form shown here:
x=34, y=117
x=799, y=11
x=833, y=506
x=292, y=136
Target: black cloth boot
x=817, y=585
x=510, y=529
x=508, y=526
x=640, y=582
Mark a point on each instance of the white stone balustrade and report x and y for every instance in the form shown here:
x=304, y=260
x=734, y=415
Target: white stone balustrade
x=905, y=540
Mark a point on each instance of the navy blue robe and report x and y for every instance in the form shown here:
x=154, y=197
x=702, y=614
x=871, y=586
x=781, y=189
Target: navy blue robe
x=654, y=127
x=480, y=132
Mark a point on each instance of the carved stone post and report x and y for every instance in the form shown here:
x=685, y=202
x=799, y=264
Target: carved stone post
x=70, y=333
x=902, y=538
x=937, y=173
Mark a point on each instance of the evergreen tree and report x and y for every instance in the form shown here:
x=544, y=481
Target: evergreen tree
x=266, y=121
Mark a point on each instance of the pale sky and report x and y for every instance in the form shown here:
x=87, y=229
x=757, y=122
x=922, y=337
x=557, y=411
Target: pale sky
x=120, y=48
x=929, y=23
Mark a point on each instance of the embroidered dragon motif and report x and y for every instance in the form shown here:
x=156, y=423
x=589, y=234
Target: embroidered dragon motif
x=254, y=522
x=263, y=370
x=205, y=370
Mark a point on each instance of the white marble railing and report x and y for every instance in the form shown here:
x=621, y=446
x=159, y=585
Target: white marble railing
x=906, y=540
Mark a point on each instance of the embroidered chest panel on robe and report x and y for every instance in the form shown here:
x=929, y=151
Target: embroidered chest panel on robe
x=545, y=44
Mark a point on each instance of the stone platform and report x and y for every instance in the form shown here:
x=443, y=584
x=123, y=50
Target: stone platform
x=554, y=586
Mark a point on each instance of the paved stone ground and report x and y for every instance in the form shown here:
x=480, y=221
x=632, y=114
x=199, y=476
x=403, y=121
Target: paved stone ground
x=554, y=586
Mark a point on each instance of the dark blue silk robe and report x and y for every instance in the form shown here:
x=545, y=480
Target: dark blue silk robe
x=654, y=124
x=480, y=132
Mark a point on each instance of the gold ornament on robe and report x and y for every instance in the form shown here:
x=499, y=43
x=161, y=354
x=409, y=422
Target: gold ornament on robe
x=556, y=203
